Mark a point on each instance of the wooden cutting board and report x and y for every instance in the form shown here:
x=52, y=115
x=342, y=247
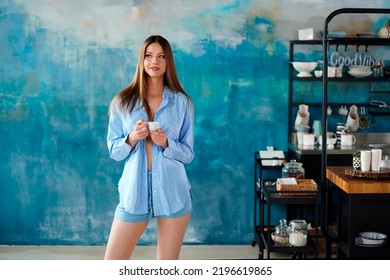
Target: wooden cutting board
x=375, y=175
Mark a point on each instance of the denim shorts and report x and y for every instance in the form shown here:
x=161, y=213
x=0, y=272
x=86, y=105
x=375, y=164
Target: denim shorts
x=122, y=215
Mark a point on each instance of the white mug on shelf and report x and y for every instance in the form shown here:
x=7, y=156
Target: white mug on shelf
x=347, y=139
x=309, y=139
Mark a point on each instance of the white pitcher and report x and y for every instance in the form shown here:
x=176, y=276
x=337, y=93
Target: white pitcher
x=353, y=119
x=303, y=115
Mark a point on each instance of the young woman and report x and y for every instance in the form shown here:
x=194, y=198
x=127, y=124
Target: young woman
x=154, y=183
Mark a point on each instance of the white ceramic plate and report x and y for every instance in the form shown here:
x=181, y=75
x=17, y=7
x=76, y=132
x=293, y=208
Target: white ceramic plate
x=378, y=146
x=359, y=74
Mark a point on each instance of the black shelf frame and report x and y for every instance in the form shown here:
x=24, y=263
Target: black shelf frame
x=266, y=195
x=327, y=193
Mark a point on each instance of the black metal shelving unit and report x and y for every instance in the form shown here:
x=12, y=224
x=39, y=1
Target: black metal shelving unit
x=327, y=190
x=373, y=110
x=266, y=195
x=347, y=248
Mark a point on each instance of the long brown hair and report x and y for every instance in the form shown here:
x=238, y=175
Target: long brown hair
x=137, y=89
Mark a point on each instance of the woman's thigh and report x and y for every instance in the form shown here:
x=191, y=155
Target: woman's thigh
x=123, y=239
x=170, y=236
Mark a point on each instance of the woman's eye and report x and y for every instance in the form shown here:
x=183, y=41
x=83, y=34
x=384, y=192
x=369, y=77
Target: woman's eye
x=162, y=56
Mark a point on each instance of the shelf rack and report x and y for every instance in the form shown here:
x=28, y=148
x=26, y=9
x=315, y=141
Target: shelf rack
x=326, y=193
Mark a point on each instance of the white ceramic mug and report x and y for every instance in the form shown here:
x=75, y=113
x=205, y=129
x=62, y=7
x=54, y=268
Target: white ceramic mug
x=365, y=160
x=153, y=126
x=347, y=139
x=309, y=139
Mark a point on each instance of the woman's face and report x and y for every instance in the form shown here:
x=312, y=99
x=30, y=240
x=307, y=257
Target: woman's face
x=155, y=63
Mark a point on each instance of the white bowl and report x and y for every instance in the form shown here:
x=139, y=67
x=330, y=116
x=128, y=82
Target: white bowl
x=359, y=68
x=304, y=68
x=372, y=238
x=359, y=74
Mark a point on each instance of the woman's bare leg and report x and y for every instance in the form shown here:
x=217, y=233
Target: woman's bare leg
x=170, y=236
x=123, y=239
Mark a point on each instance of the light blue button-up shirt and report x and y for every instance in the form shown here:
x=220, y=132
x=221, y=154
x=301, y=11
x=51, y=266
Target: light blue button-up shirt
x=170, y=185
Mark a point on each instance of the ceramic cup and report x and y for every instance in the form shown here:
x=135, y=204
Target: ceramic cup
x=309, y=139
x=331, y=72
x=153, y=126
x=347, y=139
x=365, y=160
x=343, y=111
x=376, y=158
x=318, y=73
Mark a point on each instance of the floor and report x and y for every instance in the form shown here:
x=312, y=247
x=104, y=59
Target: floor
x=188, y=252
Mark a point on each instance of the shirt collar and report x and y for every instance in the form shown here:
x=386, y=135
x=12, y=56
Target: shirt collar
x=167, y=92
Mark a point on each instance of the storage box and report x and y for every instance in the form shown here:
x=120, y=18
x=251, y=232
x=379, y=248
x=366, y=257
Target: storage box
x=307, y=185
x=306, y=34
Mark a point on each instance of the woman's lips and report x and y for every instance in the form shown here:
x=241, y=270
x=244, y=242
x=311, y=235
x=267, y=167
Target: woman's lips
x=155, y=68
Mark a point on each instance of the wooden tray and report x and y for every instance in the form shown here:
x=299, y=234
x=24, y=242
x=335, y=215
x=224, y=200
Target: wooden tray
x=375, y=175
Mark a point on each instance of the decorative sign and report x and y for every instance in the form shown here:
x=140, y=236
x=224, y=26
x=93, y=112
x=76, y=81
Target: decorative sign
x=358, y=59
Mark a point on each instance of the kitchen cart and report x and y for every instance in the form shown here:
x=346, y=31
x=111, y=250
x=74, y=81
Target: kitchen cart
x=266, y=196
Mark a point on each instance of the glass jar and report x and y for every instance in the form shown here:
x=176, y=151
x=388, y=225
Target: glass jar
x=293, y=169
x=281, y=234
x=298, y=233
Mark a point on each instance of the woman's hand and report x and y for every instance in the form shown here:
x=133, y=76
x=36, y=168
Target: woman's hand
x=140, y=132
x=159, y=138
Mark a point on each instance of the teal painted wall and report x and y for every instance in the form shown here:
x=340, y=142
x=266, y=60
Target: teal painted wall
x=62, y=62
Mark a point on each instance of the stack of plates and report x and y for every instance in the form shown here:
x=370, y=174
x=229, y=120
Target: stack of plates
x=359, y=71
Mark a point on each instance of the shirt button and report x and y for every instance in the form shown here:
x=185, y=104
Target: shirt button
x=155, y=174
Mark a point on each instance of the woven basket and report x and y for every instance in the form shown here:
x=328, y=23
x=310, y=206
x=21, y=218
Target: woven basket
x=308, y=186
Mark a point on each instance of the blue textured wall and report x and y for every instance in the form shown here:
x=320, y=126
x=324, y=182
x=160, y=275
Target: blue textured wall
x=62, y=62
